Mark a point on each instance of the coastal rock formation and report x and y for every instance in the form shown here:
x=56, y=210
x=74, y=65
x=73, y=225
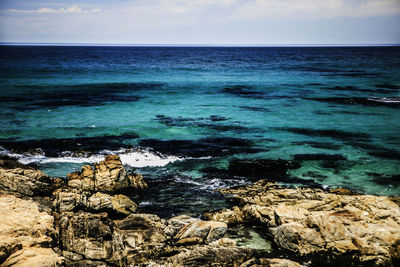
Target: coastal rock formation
x=309, y=221
x=26, y=234
x=21, y=180
x=201, y=232
x=73, y=200
x=108, y=176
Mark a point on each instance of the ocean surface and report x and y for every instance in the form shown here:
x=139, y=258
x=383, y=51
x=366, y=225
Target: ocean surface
x=183, y=116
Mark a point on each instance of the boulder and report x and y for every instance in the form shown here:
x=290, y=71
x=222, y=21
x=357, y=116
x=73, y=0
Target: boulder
x=201, y=232
x=33, y=256
x=86, y=234
x=22, y=227
x=107, y=176
x=219, y=253
x=311, y=221
x=72, y=200
x=25, y=182
x=176, y=223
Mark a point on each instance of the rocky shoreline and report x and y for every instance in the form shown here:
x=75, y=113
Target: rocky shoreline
x=87, y=220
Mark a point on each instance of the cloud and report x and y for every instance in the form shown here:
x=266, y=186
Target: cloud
x=46, y=10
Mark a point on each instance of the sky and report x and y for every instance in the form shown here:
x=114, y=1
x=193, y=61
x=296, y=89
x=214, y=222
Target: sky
x=201, y=22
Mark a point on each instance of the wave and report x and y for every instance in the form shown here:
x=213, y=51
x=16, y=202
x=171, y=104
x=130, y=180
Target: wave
x=139, y=158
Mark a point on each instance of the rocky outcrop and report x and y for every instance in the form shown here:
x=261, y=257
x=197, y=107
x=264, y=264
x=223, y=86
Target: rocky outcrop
x=66, y=200
x=107, y=176
x=26, y=234
x=309, y=221
x=86, y=236
x=21, y=180
x=201, y=232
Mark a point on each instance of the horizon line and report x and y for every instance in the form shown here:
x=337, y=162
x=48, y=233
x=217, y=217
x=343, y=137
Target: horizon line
x=191, y=45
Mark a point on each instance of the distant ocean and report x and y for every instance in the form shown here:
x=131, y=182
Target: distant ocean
x=182, y=115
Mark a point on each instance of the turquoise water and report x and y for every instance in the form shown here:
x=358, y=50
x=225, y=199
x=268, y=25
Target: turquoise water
x=174, y=112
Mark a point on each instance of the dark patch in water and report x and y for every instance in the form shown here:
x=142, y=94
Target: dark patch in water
x=243, y=91
x=351, y=88
x=77, y=95
x=204, y=147
x=261, y=168
x=356, y=113
x=260, y=109
x=217, y=118
x=168, y=196
x=388, y=86
x=210, y=123
x=383, y=179
x=392, y=102
x=315, y=175
x=305, y=157
x=335, y=134
x=53, y=147
x=315, y=144
x=376, y=151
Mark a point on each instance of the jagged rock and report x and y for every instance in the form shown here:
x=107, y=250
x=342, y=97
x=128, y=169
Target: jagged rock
x=306, y=221
x=44, y=257
x=270, y=262
x=25, y=182
x=73, y=200
x=86, y=234
x=176, y=223
x=23, y=226
x=219, y=253
x=107, y=176
x=138, y=237
x=201, y=232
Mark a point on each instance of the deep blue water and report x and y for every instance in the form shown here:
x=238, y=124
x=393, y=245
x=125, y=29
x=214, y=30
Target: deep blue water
x=181, y=115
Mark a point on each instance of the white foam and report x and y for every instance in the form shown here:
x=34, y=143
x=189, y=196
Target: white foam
x=146, y=159
x=136, y=159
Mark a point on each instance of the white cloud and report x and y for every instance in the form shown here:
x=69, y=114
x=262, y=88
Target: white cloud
x=46, y=10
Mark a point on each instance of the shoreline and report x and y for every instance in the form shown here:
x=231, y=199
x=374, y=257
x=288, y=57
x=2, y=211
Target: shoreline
x=86, y=220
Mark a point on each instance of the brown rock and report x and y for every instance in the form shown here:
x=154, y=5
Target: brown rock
x=44, y=257
x=23, y=226
x=201, y=232
x=25, y=182
x=107, y=176
x=89, y=235
x=305, y=220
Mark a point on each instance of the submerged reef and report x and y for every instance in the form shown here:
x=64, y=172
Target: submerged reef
x=87, y=219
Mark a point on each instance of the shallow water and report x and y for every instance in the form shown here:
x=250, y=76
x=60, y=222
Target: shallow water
x=172, y=112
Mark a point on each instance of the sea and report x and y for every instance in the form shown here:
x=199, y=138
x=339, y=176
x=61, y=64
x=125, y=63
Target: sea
x=184, y=116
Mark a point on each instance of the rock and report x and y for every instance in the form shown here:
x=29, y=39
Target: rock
x=201, y=232
x=73, y=200
x=276, y=262
x=212, y=255
x=33, y=256
x=311, y=221
x=87, y=234
x=25, y=182
x=138, y=238
x=107, y=176
x=23, y=226
x=177, y=222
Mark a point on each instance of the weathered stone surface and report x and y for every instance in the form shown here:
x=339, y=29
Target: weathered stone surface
x=107, y=176
x=87, y=234
x=219, y=253
x=305, y=220
x=25, y=182
x=22, y=226
x=73, y=200
x=176, y=223
x=32, y=256
x=201, y=232
x=138, y=238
